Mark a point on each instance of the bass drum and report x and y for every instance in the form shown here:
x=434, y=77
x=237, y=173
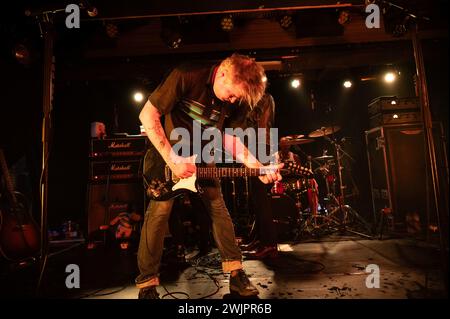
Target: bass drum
x=294, y=186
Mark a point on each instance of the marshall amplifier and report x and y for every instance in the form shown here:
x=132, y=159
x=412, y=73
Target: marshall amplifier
x=105, y=201
x=390, y=110
x=115, y=170
x=393, y=104
x=395, y=118
x=118, y=147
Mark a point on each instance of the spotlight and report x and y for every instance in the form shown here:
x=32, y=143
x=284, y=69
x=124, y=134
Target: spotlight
x=227, y=23
x=138, y=97
x=295, y=83
x=22, y=54
x=348, y=84
x=285, y=21
x=390, y=77
x=91, y=10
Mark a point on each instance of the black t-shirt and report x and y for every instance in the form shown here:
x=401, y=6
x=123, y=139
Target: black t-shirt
x=186, y=94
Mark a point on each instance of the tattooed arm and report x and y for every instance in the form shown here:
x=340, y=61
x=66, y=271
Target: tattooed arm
x=234, y=145
x=150, y=119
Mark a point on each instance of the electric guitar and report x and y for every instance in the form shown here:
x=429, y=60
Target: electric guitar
x=19, y=233
x=166, y=186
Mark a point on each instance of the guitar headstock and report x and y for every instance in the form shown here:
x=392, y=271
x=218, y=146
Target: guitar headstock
x=298, y=169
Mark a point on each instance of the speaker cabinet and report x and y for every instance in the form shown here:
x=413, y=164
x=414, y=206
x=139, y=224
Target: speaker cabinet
x=398, y=175
x=107, y=201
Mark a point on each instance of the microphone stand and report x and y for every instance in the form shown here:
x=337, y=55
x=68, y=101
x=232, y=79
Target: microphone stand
x=46, y=27
x=344, y=209
x=47, y=33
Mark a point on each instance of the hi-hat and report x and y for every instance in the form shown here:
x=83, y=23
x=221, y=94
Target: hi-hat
x=324, y=131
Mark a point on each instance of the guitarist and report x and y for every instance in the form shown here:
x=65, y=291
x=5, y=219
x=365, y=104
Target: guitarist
x=207, y=94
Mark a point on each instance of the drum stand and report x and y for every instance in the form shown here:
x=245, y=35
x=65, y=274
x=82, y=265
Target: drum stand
x=345, y=210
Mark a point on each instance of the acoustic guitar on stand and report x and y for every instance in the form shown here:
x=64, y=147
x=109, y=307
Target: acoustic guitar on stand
x=19, y=233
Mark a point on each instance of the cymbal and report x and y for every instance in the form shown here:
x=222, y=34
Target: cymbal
x=292, y=137
x=324, y=131
x=297, y=141
x=323, y=158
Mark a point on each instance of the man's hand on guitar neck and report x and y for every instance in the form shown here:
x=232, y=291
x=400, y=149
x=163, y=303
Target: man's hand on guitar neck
x=273, y=173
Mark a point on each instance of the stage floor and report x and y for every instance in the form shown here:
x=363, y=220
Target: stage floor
x=335, y=267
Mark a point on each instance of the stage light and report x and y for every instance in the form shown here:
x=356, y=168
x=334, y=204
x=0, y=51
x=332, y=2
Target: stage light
x=395, y=116
x=264, y=79
x=390, y=77
x=285, y=21
x=138, y=97
x=344, y=17
x=171, y=32
x=227, y=23
x=295, y=83
x=22, y=54
x=348, y=84
x=112, y=30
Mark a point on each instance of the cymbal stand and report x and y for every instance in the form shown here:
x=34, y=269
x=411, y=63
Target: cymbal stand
x=341, y=207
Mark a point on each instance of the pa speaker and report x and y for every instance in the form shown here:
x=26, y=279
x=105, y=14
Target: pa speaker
x=106, y=201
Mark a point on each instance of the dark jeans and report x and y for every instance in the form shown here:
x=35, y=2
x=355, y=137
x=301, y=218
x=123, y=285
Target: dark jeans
x=198, y=215
x=155, y=223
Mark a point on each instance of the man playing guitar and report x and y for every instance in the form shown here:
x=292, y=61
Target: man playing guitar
x=206, y=94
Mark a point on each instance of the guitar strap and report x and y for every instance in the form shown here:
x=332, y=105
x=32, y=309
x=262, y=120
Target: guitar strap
x=223, y=113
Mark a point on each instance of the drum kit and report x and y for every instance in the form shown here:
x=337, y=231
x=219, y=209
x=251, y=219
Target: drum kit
x=314, y=215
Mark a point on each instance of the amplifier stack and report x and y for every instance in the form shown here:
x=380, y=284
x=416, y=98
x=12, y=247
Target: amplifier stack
x=115, y=181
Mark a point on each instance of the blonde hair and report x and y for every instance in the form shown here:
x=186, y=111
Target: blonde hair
x=245, y=72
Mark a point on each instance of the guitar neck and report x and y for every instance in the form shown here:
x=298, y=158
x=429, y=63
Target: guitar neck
x=212, y=172
x=7, y=177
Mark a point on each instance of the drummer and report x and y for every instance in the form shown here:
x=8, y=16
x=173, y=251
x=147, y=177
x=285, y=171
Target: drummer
x=285, y=155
